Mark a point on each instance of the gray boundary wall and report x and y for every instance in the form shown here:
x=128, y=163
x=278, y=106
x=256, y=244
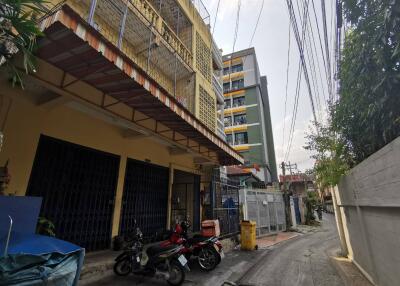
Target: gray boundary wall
x=369, y=201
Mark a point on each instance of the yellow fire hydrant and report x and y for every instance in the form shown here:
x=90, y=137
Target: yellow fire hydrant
x=248, y=235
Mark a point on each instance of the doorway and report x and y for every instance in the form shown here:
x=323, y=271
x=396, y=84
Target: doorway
x=185, y=202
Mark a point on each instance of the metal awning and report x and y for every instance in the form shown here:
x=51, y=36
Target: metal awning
x=79, y=50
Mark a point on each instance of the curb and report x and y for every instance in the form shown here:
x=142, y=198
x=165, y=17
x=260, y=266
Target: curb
x=350, y=276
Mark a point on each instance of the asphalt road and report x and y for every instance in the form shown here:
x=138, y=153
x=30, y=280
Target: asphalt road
x=303, y=261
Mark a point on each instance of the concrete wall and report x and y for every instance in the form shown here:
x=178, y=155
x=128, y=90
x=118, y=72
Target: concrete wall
x=369, y=198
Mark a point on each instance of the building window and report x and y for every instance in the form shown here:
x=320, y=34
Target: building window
x=239, y=119
x=237, y=84
x=238, y=101
x=237, y=68
x=226, y=86
x=241, y=138
x=228, y=121
x=228, y=103
x=226, y=70
x=229, y=139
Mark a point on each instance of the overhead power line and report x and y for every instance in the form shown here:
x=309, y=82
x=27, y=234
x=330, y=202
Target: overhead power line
x=258, y=20
x=299, y=72
x=328, y=60
x=322, y=50
x=215, y=18
x=287, y=84
x=301, y=51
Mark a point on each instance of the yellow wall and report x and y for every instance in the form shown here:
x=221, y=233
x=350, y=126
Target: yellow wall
x=26, y=121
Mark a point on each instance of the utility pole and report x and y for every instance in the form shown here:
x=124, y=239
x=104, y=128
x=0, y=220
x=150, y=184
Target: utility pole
x=286, y=196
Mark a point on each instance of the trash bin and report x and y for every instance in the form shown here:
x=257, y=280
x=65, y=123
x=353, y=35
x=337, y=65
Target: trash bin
x=248, y=235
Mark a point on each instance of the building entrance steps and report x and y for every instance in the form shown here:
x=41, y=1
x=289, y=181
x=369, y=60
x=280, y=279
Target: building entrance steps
x=270, y=240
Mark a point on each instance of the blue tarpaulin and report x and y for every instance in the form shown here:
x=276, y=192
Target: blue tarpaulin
x=34, y=259
x=40, y=260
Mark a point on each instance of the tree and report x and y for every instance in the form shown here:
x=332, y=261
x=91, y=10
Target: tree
x=331, y=153
x=18, y=33
x=366, y=116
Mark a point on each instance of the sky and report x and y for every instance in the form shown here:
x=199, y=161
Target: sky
x=271, y=45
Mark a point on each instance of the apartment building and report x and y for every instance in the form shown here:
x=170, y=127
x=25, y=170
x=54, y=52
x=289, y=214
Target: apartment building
x=119, y=120
x=247, y=118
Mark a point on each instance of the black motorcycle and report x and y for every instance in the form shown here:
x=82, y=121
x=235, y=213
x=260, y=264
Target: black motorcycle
x=158, y=261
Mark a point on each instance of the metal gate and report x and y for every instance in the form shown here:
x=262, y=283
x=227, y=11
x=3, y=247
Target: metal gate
x=185, y=201
x=224, y=203
x=145, y=198
x=78, y=188
x=265, y=208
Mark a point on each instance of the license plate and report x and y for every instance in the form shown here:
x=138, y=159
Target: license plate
x=182, y=260
x=137, y=258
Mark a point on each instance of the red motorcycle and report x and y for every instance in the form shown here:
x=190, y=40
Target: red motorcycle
x=207, y=250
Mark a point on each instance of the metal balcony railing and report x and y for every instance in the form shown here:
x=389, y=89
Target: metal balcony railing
x=218, y=89
x=217, y=55
x=138, y=31
x=202, y=10
x=122, y=10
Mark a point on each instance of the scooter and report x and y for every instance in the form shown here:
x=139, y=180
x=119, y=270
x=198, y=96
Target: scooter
x=165, y=262
x=208, y=250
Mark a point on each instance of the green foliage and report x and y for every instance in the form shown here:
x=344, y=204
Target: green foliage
x=366, y=116
x=332, y=154
x=18, y=32
x=45, y=227
x=311, y=202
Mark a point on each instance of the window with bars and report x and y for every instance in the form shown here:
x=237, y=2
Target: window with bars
x=237, y=84
x=241, y=138
x=229, y=139
x=207, y=109
x=239, y=119
x=203, y=57
x=238, y=101
x=227, y=103
x=227, y=87
x=228, y=121
x=237, y=68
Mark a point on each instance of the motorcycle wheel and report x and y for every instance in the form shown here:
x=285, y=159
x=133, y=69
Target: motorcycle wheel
x=176, y=273
x=208, y=258
x=122, y=267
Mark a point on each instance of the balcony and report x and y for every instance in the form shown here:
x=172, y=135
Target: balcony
x=217, y=57
x=220, y=129
x=89, y=63
x=218, y=89
x=138, y=31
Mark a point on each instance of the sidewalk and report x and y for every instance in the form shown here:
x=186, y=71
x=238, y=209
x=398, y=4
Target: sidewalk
x=349, y=273
x=267, y=241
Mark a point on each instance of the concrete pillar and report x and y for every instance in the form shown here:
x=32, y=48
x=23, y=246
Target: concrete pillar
x=170, y=184
x=118, y=196
x=292, y=212
x=339, y=223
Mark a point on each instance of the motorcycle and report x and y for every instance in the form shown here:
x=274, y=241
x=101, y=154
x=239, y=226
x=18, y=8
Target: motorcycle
x=165, y=262
x=207, y=250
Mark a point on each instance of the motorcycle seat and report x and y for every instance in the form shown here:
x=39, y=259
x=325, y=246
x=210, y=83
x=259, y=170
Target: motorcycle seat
x=197, y=239
x=156, y=249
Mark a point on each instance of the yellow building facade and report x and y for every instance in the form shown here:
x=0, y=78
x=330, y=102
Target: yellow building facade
x=113, y=126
